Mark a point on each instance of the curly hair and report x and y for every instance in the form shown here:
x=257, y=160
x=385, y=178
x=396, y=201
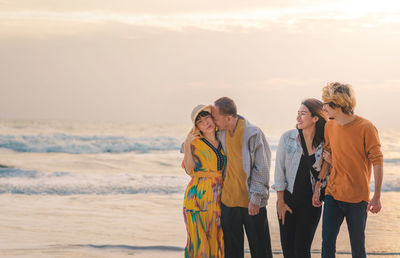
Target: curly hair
x=341, y=95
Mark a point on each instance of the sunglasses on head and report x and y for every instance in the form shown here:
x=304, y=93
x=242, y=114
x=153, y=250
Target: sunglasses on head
x=331, y=104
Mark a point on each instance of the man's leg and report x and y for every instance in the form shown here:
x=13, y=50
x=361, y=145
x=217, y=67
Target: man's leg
x=232, y=227
x=257, y=232
x=332, y=219
x=356, y=218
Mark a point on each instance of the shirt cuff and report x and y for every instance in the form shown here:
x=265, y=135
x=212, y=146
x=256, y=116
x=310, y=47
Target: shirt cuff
x=255, y=199
x=378, y=161
x=279, y=187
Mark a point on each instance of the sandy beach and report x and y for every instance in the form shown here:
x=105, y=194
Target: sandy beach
x=142, y=226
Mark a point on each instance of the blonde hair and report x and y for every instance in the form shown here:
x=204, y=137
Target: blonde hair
x=341, y=95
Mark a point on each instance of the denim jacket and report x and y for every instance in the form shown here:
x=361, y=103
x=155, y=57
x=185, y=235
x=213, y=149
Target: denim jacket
x=287, y=161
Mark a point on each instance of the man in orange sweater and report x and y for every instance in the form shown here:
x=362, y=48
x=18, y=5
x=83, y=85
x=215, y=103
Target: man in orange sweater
x=354, y=145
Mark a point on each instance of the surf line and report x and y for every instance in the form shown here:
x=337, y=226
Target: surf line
x=180, y=249
x=132, y=247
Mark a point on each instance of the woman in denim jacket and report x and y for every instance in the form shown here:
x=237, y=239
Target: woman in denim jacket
x=294, y=182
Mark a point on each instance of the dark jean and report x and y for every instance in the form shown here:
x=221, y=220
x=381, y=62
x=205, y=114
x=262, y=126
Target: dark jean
x=233, y=219
x=356, y=218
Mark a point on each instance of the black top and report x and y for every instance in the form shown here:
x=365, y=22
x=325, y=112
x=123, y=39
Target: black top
x=302, y=190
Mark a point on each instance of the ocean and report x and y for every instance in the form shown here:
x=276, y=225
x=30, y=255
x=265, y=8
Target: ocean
x=115, y=189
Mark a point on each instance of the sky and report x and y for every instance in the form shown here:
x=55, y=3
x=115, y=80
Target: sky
x=153, y=61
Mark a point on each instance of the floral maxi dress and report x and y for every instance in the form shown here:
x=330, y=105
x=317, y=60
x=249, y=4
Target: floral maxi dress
x=202, y=202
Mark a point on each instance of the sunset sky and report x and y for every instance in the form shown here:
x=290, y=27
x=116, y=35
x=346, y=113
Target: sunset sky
x=153, y=61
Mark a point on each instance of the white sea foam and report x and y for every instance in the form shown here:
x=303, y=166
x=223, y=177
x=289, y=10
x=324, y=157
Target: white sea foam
x=115, y=158
x=29, y=182
x=63, y=143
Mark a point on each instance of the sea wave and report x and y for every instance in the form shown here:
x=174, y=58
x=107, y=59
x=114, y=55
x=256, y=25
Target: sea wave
x=30, y=182
x=392, y=161
x=63, y=143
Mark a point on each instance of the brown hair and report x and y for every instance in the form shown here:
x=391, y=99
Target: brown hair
x=315, y=108
x=226, y=106
x=341, y=95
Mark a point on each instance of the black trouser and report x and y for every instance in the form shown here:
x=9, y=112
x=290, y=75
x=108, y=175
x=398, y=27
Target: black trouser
x=298, y=231
x=233, y=219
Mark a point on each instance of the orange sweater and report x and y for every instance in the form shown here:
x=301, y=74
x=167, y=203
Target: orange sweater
x=355, y=147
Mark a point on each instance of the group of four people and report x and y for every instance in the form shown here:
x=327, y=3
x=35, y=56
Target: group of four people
x=229, y=161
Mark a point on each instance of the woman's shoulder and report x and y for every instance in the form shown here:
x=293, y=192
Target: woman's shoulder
x=288, y=140
x=290, y=134
x=200, y=143
x=197, y=142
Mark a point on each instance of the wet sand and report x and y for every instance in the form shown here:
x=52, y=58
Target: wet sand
x=144, y=225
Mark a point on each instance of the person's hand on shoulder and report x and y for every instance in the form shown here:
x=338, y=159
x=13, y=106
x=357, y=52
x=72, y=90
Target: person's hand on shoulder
x=192, y=135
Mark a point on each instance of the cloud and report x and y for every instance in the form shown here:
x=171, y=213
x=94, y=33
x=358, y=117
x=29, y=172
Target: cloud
x=295, y=17
x=154, y=63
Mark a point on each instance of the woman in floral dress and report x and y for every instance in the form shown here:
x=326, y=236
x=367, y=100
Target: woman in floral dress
x=204, y=160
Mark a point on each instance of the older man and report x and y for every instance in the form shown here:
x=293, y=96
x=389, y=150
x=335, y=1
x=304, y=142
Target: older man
x=246, y=182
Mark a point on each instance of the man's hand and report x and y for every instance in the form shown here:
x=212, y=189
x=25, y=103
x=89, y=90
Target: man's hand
x=282, y=208
x=374, y=205
x=253, y=209
x=327, y=156
x=315, y=198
